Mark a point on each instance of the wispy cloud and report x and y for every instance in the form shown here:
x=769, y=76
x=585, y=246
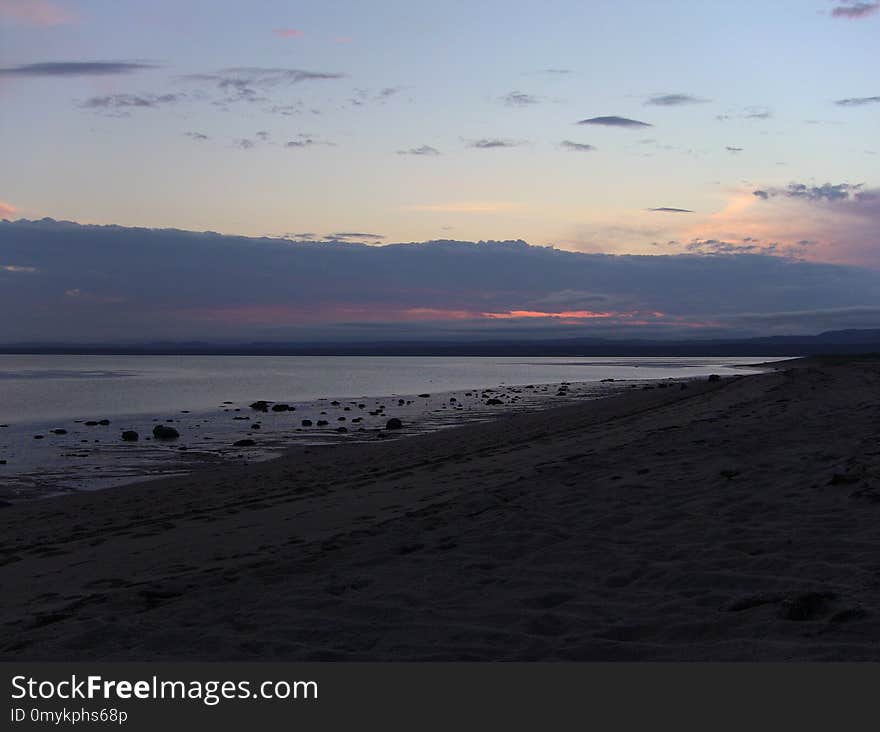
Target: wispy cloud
x=716, y=247
x=285, y=110
x=614, y=121
x=855, y=10
x=669, y=209
x=17, y=268
x=753, y=112
x=304, y=140
x=124, y=103
x=674, y=100
x=251, y=83
x=422, y=150
x=492, y=142
x=362, y=97
x=576, y=146
x=75, y=68
x=733, y=149
x=288, y=32
x=857, y=101
x=35, y=12
x=7, y=210
x=352, y=235
x=196, y=136
x=519, y=99
x=244, y=144
x=825, y=192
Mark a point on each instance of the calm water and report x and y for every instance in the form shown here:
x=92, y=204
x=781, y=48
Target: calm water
x=46, y=402
x=39, y=388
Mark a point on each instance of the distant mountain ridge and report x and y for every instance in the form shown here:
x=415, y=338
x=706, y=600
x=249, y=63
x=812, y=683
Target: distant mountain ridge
x=836, y=341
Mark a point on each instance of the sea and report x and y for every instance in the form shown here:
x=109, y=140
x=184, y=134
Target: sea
x=48, y=401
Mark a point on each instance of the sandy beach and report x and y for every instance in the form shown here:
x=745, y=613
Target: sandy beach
x=730, y=520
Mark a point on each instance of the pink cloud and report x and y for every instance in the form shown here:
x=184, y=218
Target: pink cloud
x=836, y=224
x=855, y=10
x=35, y=12
x=7, y=210
x=288, y=33
x=437, y=314
x=566, y=314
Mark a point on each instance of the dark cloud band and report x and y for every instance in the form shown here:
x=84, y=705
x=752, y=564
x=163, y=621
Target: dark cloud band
x=75, y=68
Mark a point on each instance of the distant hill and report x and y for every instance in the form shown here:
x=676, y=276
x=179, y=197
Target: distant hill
x=840, y=341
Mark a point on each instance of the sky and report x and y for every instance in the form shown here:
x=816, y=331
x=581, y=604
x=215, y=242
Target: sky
x=728, y=132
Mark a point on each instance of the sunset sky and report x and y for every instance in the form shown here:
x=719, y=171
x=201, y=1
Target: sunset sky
x=716, y=128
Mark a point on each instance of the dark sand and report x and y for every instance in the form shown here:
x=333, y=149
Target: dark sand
x=734, y=520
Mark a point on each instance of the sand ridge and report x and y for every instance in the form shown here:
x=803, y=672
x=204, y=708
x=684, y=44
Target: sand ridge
x=734, y=520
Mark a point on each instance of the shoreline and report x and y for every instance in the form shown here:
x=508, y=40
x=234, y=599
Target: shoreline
x=50, y=457
x=272, y=434
x=732, y=520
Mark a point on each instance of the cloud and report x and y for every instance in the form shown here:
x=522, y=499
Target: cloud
x=421, y=150
x=558, y=72
x=814, y=320
x=288, y=33
x=285, y=110
x=251, y=83
x=825, y=192
x=17, y=268
x=576, y=146
x=615, y=122
x=262, y=76
x=197, y=136
x=74, y=68
x=826, y=222
x=123, y=103
x=667, y=209
x=304, y=140
x=733, y=149
x=244, y=144
x=491, y=143
x=346, y=235
x=35, y=12
x=674, y=100
x=715, y=247
x=519, y=99
x=169, y=284
x=855, y=10
x=365, y=96
x=857, y=101
x=758, y=113
x=7, y=210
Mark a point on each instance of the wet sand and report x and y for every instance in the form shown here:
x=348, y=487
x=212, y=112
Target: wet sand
x=731, y=520
x=45, y=459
